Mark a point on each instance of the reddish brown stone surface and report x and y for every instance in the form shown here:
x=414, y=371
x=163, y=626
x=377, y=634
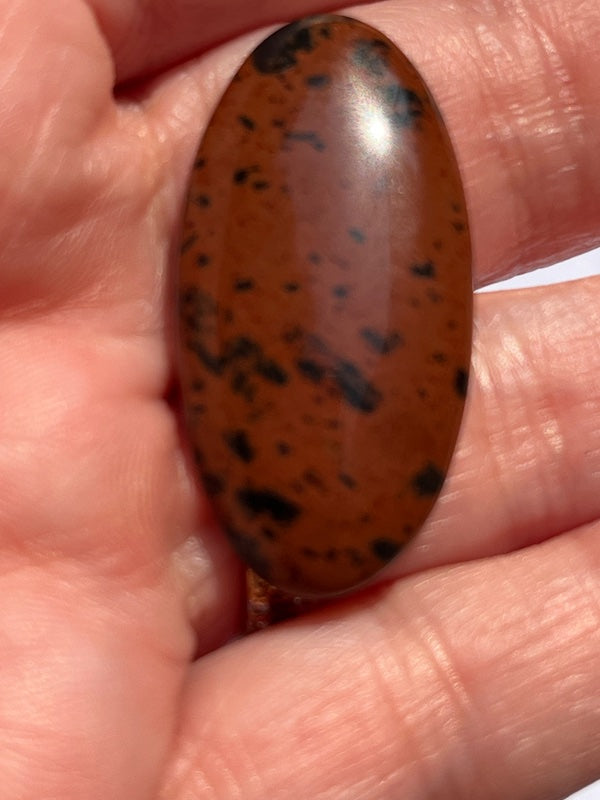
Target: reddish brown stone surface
x=325, y=306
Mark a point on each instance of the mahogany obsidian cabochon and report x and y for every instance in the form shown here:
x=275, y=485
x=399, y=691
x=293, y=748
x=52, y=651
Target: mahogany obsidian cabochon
x=325, y=305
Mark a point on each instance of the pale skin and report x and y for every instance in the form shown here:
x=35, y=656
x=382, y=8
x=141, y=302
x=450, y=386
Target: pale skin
x=472, y=670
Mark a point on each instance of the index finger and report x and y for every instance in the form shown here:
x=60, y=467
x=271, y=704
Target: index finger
x=146, y=37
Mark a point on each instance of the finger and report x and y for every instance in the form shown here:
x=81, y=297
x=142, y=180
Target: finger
x=516, y=83
x=527, y=466
x=148, y=36
x=449, y=685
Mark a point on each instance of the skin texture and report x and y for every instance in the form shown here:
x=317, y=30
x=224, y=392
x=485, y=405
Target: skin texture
x=475, y=665
x=325, y=306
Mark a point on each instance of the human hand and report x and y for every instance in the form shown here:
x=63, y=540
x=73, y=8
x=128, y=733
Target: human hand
x=476, y=667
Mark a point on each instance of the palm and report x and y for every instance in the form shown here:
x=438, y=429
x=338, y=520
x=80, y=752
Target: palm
x=96, y=503
x=113, y=577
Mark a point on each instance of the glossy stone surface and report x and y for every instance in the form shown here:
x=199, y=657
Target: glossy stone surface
x=325, y=305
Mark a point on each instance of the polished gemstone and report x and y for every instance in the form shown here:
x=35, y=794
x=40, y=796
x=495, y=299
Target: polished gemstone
x=325, y=305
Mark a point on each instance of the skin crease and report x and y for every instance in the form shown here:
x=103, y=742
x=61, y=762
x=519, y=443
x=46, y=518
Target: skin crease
x=475, y=665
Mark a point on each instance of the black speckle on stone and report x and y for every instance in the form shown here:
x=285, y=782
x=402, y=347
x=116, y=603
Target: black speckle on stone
x=240, y=176
x=347, y=480
x=358, y=235
x=241, y=347
x=413, y=111
x=434, y=296
x=458, y=226
x=279, y=52
x=188, y=242
x=240, y=357
x=310, y=369
x=355, y=557
x=392, y=93
x=428, y=481
x=203, y=200
x=325, y=31
x=400, y=94
x=278, y=123
x=318, y=344
x=366, y=519
x=212, y=362
x=291, y=287
x=312, y=478
x=249, y=550
x=402, y=119
x=355, y=388
x=405, y=105
x=385, y=549
x=199, y=163
x=340, y=291
x=424, y=270
x=461, y=382
x=309, y=552
x=268, y=533
x=240, y=384
x=372, y=55
x=196, y=302
x=239, y=444
x=248, y=123
x=213, y=484
x=244, y=348
x=309, y=137
x=314, y=258
x=284, y=82
x=269, y=502
x=331, y=554
x=261, y=186
x=271, y=371
x=380, y=343
x=203, y=260
x=291, y=335
x=244, y=285
x=199, y=312
x=283, y=448
x=422, y=393
x=439, y=358
x=318, y=81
